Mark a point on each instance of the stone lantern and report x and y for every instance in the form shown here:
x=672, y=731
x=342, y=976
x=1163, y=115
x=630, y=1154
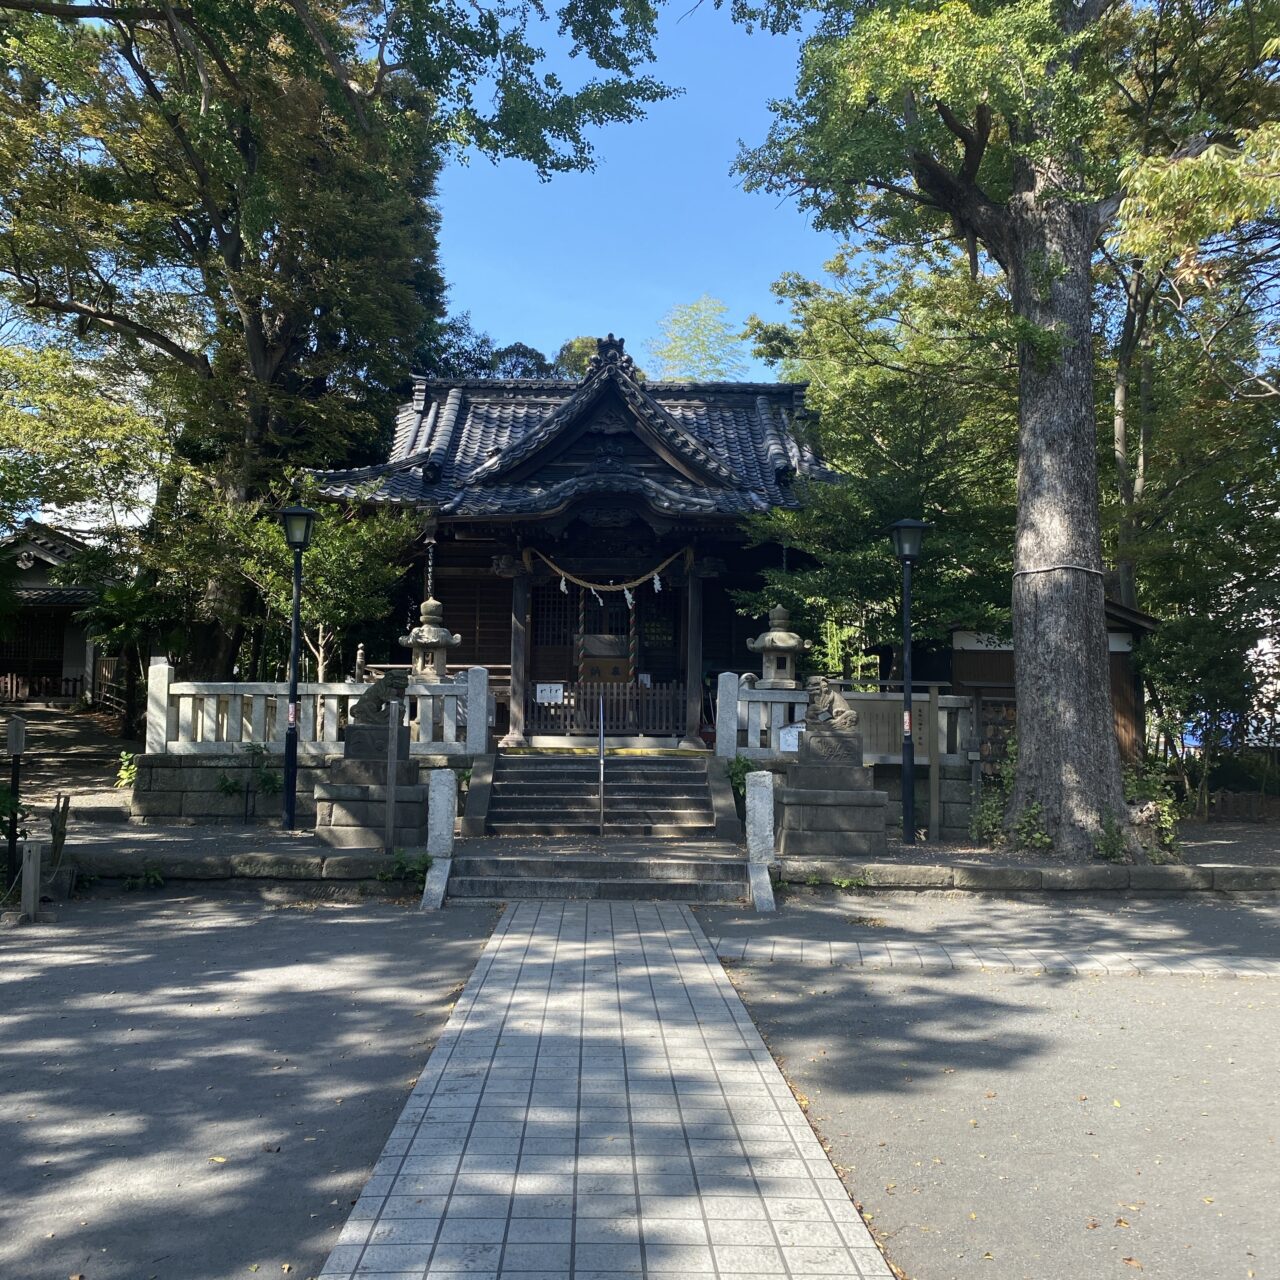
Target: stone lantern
x=780, y=648
x=430, y=641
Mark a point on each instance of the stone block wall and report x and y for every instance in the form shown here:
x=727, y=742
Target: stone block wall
x=186, y=788
x=999, y=719
x=957, y=798
x=191, y=789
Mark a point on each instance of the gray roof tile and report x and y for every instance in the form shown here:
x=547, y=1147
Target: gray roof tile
x=457, y=445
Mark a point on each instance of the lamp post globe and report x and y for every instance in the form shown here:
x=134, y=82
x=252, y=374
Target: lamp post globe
x=907, y=537
x=297, y=523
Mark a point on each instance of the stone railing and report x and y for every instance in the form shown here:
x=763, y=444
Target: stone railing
x=197, y=717
x=756, y=723
x=762, y=723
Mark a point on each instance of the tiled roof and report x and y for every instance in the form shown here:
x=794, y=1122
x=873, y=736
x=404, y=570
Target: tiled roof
x=35, y=596
x=471, y=450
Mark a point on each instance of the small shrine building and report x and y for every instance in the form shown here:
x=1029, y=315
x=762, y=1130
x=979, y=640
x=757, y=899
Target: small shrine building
x=586, y=539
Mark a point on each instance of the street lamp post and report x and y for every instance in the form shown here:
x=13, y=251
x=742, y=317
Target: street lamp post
x=907, y=536
x=297, y=522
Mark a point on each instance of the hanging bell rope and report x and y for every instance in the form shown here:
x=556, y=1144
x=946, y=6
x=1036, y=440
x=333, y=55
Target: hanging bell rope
x=596, y=587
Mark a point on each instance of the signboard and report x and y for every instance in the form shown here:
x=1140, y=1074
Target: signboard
x=549, y=695
x=789, y=737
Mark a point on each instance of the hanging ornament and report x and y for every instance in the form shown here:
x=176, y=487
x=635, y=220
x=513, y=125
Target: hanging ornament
x=628, y=597
x=564, y=584
x=595, y=593
x=657, y=583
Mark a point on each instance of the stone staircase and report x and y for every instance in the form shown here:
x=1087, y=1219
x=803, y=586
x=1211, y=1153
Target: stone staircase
x=532, y=830
x=663, y=797
x=700, y=874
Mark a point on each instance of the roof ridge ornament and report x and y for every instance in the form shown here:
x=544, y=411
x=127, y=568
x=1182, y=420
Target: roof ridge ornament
x=609, y=351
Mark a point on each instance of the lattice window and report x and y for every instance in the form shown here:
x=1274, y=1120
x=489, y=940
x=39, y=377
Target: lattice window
x=555, y=614
x=608, y=618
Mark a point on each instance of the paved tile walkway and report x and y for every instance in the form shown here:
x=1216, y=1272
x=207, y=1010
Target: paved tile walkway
x=921, y=956
x=601, y=1107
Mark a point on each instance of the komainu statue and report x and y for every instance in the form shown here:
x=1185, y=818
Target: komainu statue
x=827, y=706
x=371, y=706
x=830, y=725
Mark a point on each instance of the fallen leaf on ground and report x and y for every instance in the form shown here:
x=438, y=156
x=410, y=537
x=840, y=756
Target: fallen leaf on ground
x=217, y=1159
x=1120, y=1222
x=1132, y=1262
x=1092, y=1225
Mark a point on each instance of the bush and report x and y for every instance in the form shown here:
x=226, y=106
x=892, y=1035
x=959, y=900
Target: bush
x=739, y=767
x=1148, y=789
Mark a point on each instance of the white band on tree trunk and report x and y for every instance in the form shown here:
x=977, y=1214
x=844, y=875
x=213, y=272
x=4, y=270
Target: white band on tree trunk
x=1049, y=568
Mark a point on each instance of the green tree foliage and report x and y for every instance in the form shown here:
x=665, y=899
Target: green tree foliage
x=696, y=343
x=574, y=356
x=233, y=203
x=349, y=571
x=1013, y=126
x=69, y=441
x=910, y=366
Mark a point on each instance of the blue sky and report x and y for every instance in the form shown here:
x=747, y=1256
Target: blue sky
x=659, y=222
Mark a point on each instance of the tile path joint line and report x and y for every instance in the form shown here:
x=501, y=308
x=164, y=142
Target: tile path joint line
x=722, y=1175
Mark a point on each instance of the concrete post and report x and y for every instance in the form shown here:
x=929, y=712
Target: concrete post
x=159, y=678
x=31, y=881
x=760, y=837
x=727, y=715
x=442, y=812
x=760, y=816
x=477, y=711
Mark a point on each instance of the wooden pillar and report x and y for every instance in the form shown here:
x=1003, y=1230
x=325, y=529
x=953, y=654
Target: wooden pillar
x=520, y=580
x=693, y=659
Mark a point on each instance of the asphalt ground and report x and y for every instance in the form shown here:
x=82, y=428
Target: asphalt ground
x=1011, y=1126
x=196, y=1088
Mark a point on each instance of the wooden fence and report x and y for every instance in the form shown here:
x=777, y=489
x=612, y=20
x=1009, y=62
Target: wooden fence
x=1243, y=806
x=656, y=710
x=187, y=717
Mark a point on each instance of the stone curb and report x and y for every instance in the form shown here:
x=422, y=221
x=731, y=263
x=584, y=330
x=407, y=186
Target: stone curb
x=996, y=877
x=318, y=866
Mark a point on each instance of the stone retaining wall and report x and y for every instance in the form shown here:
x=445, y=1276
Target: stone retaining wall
x=957, y=798
x=186, y=788
x=999, y=878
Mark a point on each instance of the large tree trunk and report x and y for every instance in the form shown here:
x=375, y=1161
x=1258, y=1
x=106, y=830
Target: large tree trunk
x=1068, y=761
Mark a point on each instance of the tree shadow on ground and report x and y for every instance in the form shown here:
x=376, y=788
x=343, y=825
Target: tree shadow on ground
x=193, y=1085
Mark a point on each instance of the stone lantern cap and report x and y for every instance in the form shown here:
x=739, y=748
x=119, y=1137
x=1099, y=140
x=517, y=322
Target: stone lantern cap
x=779, y=638
x=431, y=633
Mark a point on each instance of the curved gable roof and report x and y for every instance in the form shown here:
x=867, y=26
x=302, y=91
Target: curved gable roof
x=488, y=448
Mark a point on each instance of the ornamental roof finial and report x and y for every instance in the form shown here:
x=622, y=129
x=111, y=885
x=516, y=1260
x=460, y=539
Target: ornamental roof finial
x=609, y=351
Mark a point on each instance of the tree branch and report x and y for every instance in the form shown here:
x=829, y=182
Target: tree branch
x=118, y=324
x=80, y=12
x=335, y=66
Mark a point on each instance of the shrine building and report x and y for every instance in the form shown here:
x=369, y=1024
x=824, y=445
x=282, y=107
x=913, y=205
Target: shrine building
x=586, y=539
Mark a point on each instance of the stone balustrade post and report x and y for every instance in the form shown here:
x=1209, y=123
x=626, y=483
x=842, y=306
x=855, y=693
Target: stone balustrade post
x=159, y=678
x=727, y=715
x=477, y=711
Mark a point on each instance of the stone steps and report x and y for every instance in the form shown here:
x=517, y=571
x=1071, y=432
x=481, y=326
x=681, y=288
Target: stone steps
x=624, y=830
x=506, y=887
x=646, y=797
x=586, y=867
